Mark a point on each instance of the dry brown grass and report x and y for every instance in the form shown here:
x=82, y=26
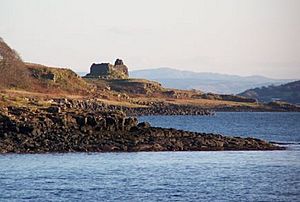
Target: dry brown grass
x=205, y=103
x=65, y=80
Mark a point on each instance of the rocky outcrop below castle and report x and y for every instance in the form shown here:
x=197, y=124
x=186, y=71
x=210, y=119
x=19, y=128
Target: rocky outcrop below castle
x=153, y=108
x=53, y=129
x=156, y=108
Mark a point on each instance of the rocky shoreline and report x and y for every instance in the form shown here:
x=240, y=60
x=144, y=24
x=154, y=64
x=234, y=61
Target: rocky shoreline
x=161, y=109
x=55, y=129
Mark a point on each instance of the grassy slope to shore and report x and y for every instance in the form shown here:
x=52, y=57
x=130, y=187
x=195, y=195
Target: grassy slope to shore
x=131, y=93
x=33, y=84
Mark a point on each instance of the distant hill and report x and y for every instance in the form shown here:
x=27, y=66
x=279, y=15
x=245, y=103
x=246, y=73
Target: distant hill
x=289, y=92
x=207, y=82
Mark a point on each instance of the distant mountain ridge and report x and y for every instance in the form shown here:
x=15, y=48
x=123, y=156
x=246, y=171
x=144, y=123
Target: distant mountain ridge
x=289, y=92
x=207, y=82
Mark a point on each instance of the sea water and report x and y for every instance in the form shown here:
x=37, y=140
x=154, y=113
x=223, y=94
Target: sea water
x=167, y=176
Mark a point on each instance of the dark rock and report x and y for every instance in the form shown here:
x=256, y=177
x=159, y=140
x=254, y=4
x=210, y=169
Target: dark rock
x=4, y=118
x=91, y=121
x=54, y=109
x=119, y=62
x=144, y=125
x=111, y=124
x=36, y=132
x=101, y=124
x=130, y=122
x=134, y=129
x=94, y=131
x=81, y=121
x=49, y=76
x=16, y=111
x=25, y=129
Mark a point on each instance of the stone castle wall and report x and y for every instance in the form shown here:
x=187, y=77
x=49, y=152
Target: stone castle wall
x=106, y=70
x=101, y=69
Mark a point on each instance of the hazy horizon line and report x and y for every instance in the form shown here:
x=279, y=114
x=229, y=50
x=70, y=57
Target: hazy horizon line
x=193, y=71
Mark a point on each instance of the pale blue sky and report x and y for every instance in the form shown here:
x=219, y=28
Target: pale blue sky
x=245, y=37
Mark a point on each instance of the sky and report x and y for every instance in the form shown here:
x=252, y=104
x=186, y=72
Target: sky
x=241, y=37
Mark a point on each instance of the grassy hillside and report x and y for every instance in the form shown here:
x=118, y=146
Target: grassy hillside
x=56, y=80
x=289, y=92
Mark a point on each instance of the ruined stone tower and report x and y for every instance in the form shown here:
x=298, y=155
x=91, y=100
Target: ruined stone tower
x=108, y=71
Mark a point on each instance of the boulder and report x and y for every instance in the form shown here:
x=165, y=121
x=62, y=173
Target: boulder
x=91, y=120
x=54, y=109
x=130, y=122
x=111, y=124
x=81, y=121
x=144, y=125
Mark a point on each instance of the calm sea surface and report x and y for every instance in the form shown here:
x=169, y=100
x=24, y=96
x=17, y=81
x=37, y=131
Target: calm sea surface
x=167, y=176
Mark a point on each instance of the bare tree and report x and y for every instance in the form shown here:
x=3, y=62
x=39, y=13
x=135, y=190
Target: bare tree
x=12, y=69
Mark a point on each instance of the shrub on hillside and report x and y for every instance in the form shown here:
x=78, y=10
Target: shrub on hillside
x=12, y=69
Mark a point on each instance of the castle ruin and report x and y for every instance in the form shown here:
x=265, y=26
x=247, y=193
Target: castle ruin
x=108, y=71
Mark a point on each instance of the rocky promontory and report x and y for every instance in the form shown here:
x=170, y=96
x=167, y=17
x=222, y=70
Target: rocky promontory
x=55, y=129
